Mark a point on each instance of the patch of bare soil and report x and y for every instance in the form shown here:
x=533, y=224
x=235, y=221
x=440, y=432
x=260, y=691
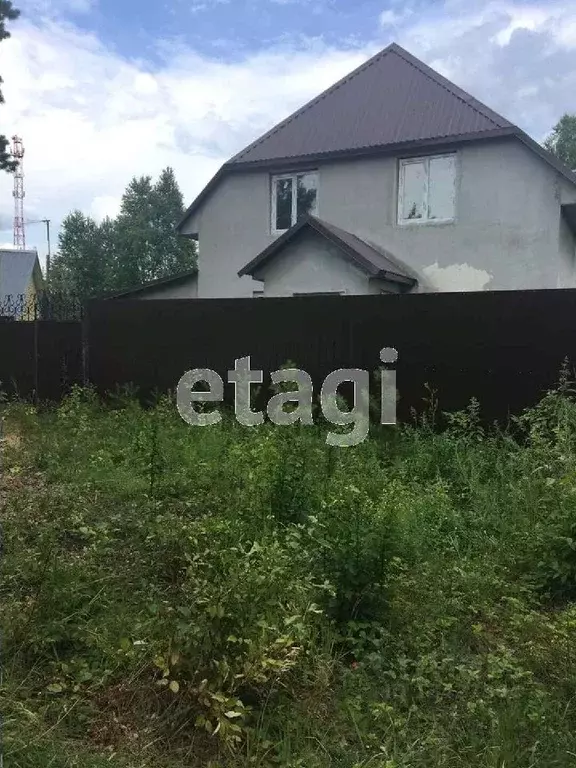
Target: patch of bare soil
x=14, y=476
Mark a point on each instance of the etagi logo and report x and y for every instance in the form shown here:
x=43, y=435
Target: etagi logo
x=299, y=399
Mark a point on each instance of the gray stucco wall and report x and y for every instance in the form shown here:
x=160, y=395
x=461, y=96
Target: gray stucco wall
x=507, y=233
x=183, y=290
x=312, y=265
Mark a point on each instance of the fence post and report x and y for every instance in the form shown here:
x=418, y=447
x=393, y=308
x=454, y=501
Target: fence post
x=85, y=345
x=36, y=361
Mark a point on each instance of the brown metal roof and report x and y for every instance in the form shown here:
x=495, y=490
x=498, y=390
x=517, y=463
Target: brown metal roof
x=376, y=262
x=391, y=98
x=151, y=285
x=392, y=103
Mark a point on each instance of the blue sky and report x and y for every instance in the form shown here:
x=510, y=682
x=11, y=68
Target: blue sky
x=103, y=90
x=231, y=28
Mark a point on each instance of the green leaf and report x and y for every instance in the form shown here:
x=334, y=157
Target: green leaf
x=174, y=686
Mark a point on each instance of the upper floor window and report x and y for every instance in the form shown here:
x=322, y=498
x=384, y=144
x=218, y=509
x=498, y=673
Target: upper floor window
x=427, y=189
x=293, y=195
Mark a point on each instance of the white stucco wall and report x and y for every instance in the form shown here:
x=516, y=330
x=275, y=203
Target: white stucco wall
x=507, y=233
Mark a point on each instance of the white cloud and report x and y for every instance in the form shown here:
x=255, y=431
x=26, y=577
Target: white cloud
x=518, y=57
x=389, y=18
x=392, y=17
x=105, y=205
x=55, y=8
x=91, y=119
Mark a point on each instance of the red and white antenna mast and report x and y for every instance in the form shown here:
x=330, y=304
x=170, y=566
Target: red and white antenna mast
x=19, y=232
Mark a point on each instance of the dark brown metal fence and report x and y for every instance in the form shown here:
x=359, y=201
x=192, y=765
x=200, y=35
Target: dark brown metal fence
x=504, y=348
x=40, y=347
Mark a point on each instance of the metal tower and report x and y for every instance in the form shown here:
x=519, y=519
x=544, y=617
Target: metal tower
x=19, y=231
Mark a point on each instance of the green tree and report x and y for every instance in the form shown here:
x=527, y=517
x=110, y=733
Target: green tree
x=135, y=262
x=7, y=13
x=172, y=252
x=140, y=245
x=148, y=246
x=82, y=267
x=562, y=140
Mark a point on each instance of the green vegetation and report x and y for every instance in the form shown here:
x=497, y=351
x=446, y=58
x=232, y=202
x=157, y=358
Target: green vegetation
x=140, y=245
x=229, y=597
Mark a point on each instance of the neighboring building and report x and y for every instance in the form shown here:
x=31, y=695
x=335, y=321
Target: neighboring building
x=181, y=286
x=20, y=283
x=403, y=182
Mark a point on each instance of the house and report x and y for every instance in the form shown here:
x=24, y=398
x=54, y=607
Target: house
x=20, y=282
x=392, y=180
x=184, y=285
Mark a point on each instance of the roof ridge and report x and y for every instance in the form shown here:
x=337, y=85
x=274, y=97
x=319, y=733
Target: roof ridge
x=445, y=83
x=331, y=89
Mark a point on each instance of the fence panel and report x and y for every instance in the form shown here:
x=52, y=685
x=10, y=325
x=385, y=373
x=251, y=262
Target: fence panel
x=40, y=359
x=505, y=348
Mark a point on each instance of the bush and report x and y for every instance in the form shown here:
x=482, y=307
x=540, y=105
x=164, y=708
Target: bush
x=232, y=597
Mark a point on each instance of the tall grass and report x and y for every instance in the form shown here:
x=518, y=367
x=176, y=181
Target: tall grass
x=234, y=597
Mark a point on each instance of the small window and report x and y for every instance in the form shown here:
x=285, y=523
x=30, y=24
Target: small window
x=257, y=293
x=293, y=196
x=426, y=190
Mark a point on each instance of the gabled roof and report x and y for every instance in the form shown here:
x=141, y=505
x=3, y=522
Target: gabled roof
x=391, y=103
x=180, y=277
x=375, y=262
x=17, y=271
x=391, y=98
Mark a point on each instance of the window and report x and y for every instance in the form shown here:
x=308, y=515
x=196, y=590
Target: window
x=258, y=293
x=427, y=189
x=293, y=196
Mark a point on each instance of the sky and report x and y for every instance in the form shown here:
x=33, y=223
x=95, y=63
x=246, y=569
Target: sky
x=104, y=90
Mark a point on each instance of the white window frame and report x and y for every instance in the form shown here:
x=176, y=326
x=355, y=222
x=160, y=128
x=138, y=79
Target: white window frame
x=400, y=200
x=294, y=178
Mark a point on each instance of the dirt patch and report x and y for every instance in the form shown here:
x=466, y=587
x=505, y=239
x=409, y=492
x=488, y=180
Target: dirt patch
x=12, y=440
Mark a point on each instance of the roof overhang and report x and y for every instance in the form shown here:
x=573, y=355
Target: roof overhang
x=443, y=143
x=381, y=266
x=284, y=164
x=178, y=279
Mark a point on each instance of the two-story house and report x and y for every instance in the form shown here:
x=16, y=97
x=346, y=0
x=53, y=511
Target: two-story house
x=392, y=180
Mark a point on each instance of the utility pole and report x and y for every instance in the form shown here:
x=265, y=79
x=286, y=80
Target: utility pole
x=49, y=254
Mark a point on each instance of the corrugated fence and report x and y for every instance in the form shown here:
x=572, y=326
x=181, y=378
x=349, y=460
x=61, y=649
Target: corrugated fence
x=504, y=348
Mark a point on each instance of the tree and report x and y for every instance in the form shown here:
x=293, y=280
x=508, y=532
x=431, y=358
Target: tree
x=140, y=245
x=148, y=246
x=172, y=252
x=7, y=13
x=134, y=235
x=82, y=266
x=562, y=140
